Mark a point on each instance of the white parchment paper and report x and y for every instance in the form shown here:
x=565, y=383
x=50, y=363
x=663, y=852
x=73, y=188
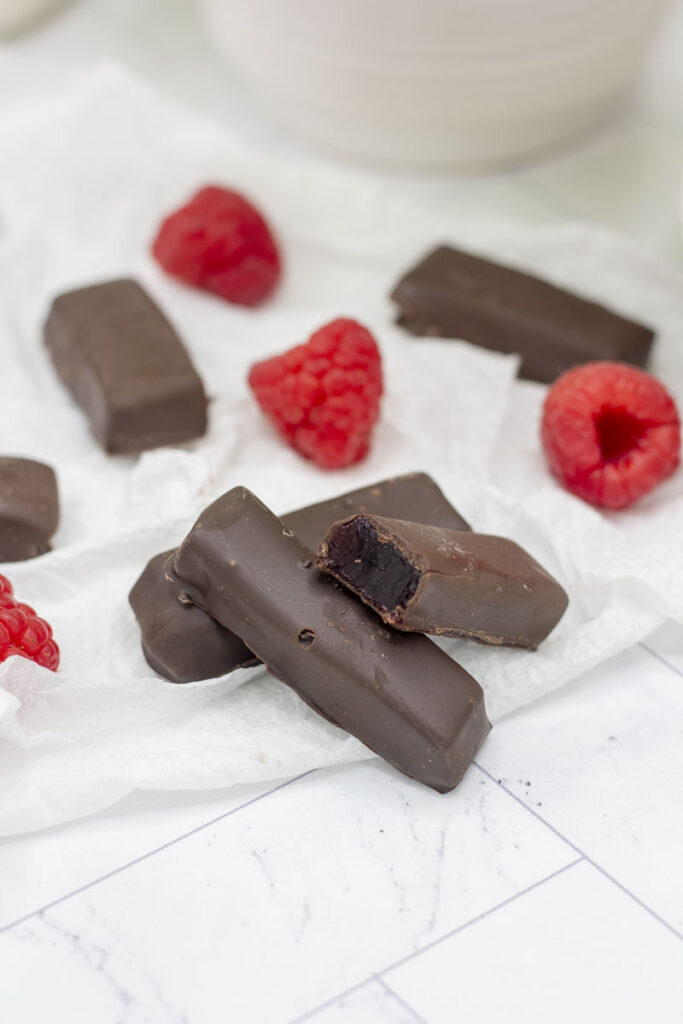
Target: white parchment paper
x=84, y=178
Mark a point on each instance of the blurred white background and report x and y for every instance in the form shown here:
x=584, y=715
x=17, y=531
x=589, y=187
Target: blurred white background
x=624, y=173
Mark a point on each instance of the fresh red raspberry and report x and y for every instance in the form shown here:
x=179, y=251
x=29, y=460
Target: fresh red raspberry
x=323, y=397
x=23, y=633
x=218, y=241
x=610, y=433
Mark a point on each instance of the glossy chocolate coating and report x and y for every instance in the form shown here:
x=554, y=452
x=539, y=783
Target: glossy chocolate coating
x=29, y=508
x=452, y=294
x=444, y=582
x=412, y=496
x=126, y=367
x=179, y=641
x=398, y=693
x=187, y=647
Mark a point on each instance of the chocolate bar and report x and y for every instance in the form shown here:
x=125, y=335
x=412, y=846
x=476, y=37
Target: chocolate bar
x=185, y=648
x=29, y=508
x=126, y=367
x=452, y=294
x=412, y=496
x=398, y=693
x=179, y=641
x=444, y=582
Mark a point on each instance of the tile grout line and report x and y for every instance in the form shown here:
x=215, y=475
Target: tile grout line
x=480, y=917
x=330, y=1002
x=378, y=975
x=582, y=855
x=150, y=853
x=660, y=658
x=399, y=999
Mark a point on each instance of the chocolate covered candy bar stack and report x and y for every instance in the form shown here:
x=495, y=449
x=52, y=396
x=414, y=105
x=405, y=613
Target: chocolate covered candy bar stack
x=184, y=644
x=399, y=694
x=244, y=585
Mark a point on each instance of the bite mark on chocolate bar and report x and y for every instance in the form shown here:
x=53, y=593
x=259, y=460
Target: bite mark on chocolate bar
x=447, y=583
x=361, y=558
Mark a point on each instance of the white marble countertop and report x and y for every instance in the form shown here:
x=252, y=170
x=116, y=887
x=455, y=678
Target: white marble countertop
x=547, y=888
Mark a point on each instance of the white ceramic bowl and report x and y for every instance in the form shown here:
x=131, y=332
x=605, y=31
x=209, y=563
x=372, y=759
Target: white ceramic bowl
x=16, y=15
x=435, y=82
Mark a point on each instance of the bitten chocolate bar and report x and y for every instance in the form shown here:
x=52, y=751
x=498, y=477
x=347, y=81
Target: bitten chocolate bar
x=186, y=647
x=29, y=508
x=444, y=582
x=452, y=294
x=126, y=367
x=398, y=693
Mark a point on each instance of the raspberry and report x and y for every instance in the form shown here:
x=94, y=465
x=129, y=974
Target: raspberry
x=323, y=397
x=219, y=242
x=23, y=633
x=610, y=433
